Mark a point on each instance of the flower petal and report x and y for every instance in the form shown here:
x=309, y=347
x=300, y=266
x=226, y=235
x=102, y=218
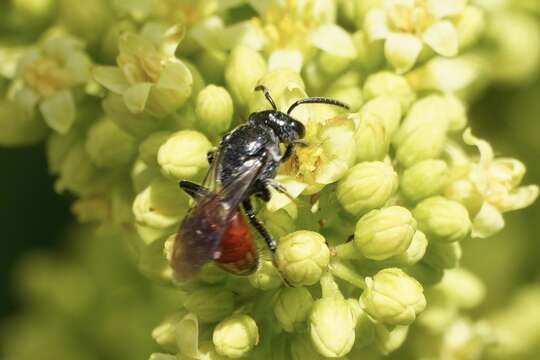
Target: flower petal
x=187, y=336
x=334, y=40
x=289, y=58
x=442, y=37
x=136, y=96
x=280, y=200
x=111, y=77
x=59, y=111
x=375, y=25
x=487, y=222
x=443, y=8
x=402, y=50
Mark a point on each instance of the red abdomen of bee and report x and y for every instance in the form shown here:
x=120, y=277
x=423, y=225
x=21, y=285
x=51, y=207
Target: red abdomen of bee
x=238, y=253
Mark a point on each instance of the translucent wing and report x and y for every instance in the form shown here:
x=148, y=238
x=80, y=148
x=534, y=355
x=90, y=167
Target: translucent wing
x=210, y=179
x=199, y=236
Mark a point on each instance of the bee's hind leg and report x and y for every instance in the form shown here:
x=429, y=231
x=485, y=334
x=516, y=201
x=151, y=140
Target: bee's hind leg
x=248, y=208
x=196, y=191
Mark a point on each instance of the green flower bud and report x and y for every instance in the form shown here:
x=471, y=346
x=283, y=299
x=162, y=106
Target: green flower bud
x=210, y=304
x=161, y=205
x=393, y=297
x=302, y=257
x=402, y=51
x=463, y=287
x=25, y=131
x=137, y=125
x=442, y=219
x=78, y=174
x=392, y=85
x=389, y=339
x=443, y=256
x=92, y=209
x=148, y=149
x=332, y=65
x=212, y=64
x=336, y=45
x=367, y=186
x=347, y=90
x=236, y=336
x=372, y=139
x=184, y=154
x=370, y=53
x=425, y=142
x=143, y=175
x=428, y=110
x=165, y=333
x=302, y=348
x=292, y=307
x=214, y=110
x=457, y=113
x=384, y=109
x=470, y=25
x=243, y=72
x=462, y=190
x=187, y=335
x=109, y=146
x=414, y=253
x=286, y=87
x=158, y=356
x=423, y=133
x=266, y=277
x=424, y=179
x=207, y=351
x=210, y=273
x=455, y=75
x=381, y=234
x=332, y=327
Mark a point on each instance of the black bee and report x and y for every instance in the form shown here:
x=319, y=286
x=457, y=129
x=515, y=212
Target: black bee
x=245, y=164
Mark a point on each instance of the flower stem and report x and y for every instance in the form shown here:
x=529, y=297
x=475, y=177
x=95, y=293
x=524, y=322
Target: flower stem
x=345, y=272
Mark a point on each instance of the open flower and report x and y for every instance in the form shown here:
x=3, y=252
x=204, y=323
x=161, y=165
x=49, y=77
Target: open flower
x=50, y=76
x=406, y=26
x=149, y=81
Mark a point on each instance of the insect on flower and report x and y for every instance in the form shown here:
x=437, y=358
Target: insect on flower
x=244, y=165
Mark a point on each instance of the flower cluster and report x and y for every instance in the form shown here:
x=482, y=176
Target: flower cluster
x=381, y=197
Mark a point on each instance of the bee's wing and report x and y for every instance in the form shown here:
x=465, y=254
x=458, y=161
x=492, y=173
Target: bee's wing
x=199, y=236
x=210, y=180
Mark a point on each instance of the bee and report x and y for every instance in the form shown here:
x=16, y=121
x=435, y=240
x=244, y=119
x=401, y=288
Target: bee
x=244, y=165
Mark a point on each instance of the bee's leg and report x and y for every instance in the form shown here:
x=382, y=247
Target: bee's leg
x=210, y=156
x=263, y=193
x=290, y=149
x=279, y=188
x=196, y=191
x=248, y=208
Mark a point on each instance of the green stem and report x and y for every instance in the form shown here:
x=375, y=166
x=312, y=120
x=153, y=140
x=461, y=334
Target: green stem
x=329, y=287
x=345, y=272
x=348, y=251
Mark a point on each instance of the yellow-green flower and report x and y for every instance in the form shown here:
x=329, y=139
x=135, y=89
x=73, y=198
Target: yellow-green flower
x=407, y=26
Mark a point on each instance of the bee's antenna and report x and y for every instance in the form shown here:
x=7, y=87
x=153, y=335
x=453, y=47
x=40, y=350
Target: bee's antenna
x=317, y=100
x=267, y=95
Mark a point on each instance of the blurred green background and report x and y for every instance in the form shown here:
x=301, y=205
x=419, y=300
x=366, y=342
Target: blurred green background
x=32, y=215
